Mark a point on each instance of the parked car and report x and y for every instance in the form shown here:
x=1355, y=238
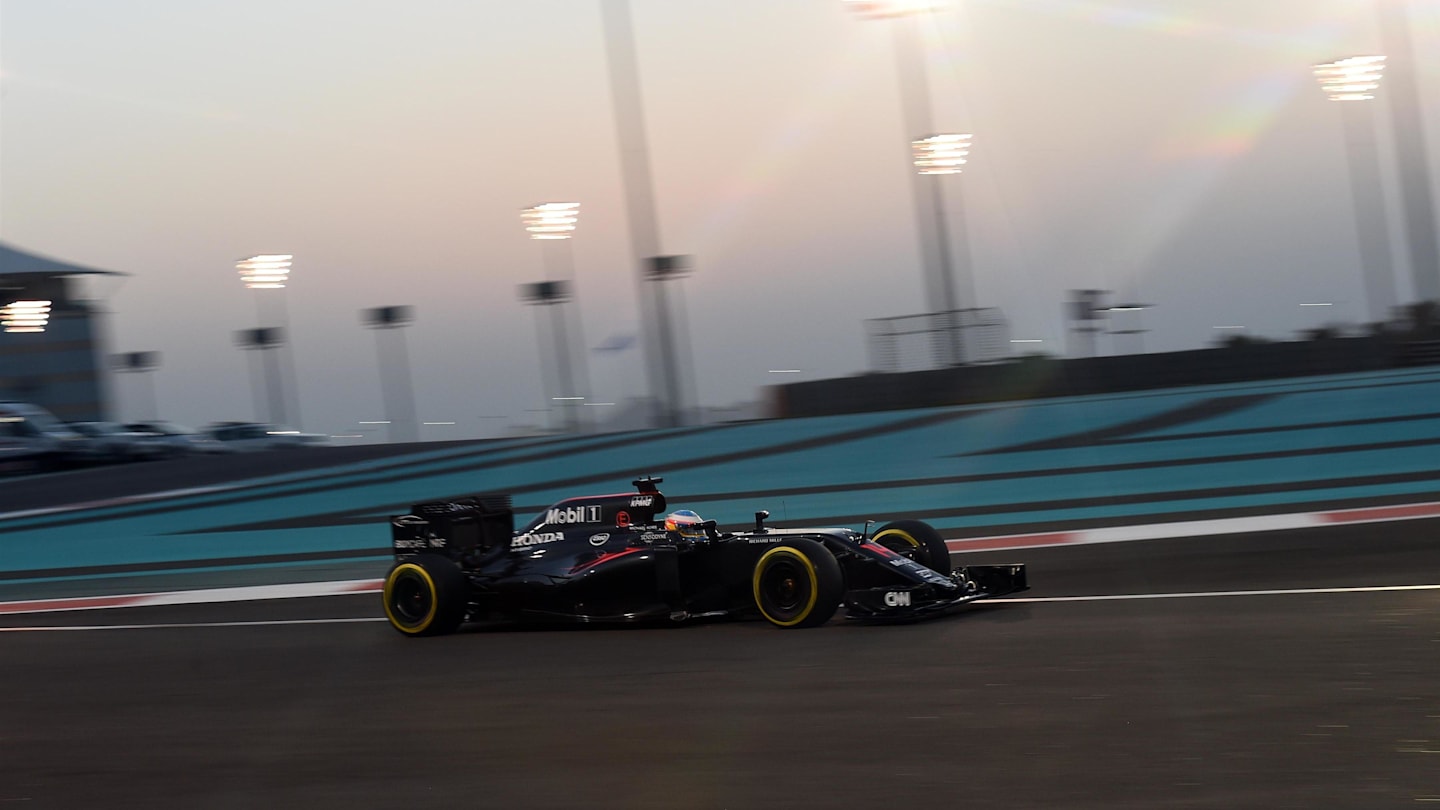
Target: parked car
x=177, y=440
x=35, y=434
x=249, y=437
x=111, y=442
x=18, y=454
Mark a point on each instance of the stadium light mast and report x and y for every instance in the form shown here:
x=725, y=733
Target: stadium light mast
x=1353, y=81
x=936, y=156
x=265, y=340
x=550, y=296
x=1417, y=196
x=268, y=274
x=553, y=224
x=662, y=270
x=939, y=263
x=663, y=369
x=397, y=389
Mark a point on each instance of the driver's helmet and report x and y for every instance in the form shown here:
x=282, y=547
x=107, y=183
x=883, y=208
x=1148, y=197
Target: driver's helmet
x=687, y=523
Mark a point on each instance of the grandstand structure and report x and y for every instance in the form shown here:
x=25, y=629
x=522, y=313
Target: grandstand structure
x=52, y=351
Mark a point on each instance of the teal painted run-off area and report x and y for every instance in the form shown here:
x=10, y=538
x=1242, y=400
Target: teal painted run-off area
x=1290, y=445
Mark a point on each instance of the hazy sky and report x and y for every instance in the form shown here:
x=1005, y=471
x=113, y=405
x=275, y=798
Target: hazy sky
x=1176, y=151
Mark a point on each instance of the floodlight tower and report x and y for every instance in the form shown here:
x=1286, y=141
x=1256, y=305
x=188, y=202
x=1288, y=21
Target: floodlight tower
x=267, y=274
x=1353, y=81
x=396, y=388
x=551, y=296
x=946, y=297
x=655, y=269
x=265, y=341
x=662, y=271
x=553, y=225
x=1411, y=151
x=936, y=156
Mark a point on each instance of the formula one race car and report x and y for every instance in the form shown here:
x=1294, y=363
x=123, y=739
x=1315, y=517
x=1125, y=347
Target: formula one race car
x=609, y=558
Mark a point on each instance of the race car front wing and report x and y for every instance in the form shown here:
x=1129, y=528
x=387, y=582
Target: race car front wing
x=909, y=603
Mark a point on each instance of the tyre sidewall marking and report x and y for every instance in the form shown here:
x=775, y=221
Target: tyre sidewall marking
x=809, y=572
x=390, y=590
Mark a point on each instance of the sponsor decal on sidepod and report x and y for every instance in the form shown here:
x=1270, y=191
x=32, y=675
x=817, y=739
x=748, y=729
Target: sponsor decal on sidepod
x=536, y=539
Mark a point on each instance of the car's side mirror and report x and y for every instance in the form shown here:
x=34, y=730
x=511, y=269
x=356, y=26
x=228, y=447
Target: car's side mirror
x=760, y=520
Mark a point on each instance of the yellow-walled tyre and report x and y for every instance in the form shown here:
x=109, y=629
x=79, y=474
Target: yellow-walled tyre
x=425, y=595
x=917, y=540
x=797, y=583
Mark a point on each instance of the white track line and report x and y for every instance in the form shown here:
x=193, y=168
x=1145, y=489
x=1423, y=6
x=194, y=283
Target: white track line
x=1203, y=594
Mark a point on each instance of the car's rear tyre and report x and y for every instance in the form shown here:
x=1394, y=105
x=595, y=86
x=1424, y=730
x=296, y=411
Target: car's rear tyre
x=425, y=595
x=917, y=540
x=797, y=583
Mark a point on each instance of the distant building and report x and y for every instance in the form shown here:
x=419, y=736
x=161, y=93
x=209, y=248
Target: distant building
x=58, y=365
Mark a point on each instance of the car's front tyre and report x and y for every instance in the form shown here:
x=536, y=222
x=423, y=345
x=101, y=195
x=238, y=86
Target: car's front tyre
x=917, y=540
x=425, y=595
x=797, y=583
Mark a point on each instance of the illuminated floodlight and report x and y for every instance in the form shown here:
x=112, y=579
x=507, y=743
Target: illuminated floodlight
x=941, y=154
x=555, y=220
x=266, y=272
x=25, y=316
x=883, y=9
x=1351, y=79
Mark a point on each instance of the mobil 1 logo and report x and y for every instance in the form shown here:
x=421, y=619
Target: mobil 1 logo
x=573, y=514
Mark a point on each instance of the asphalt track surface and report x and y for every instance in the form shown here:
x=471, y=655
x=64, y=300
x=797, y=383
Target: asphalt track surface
x=1266, y=697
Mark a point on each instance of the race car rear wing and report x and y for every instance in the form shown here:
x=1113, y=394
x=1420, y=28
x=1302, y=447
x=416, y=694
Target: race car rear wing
x=461, y=529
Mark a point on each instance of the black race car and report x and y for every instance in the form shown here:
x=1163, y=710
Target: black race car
x=616, y=558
